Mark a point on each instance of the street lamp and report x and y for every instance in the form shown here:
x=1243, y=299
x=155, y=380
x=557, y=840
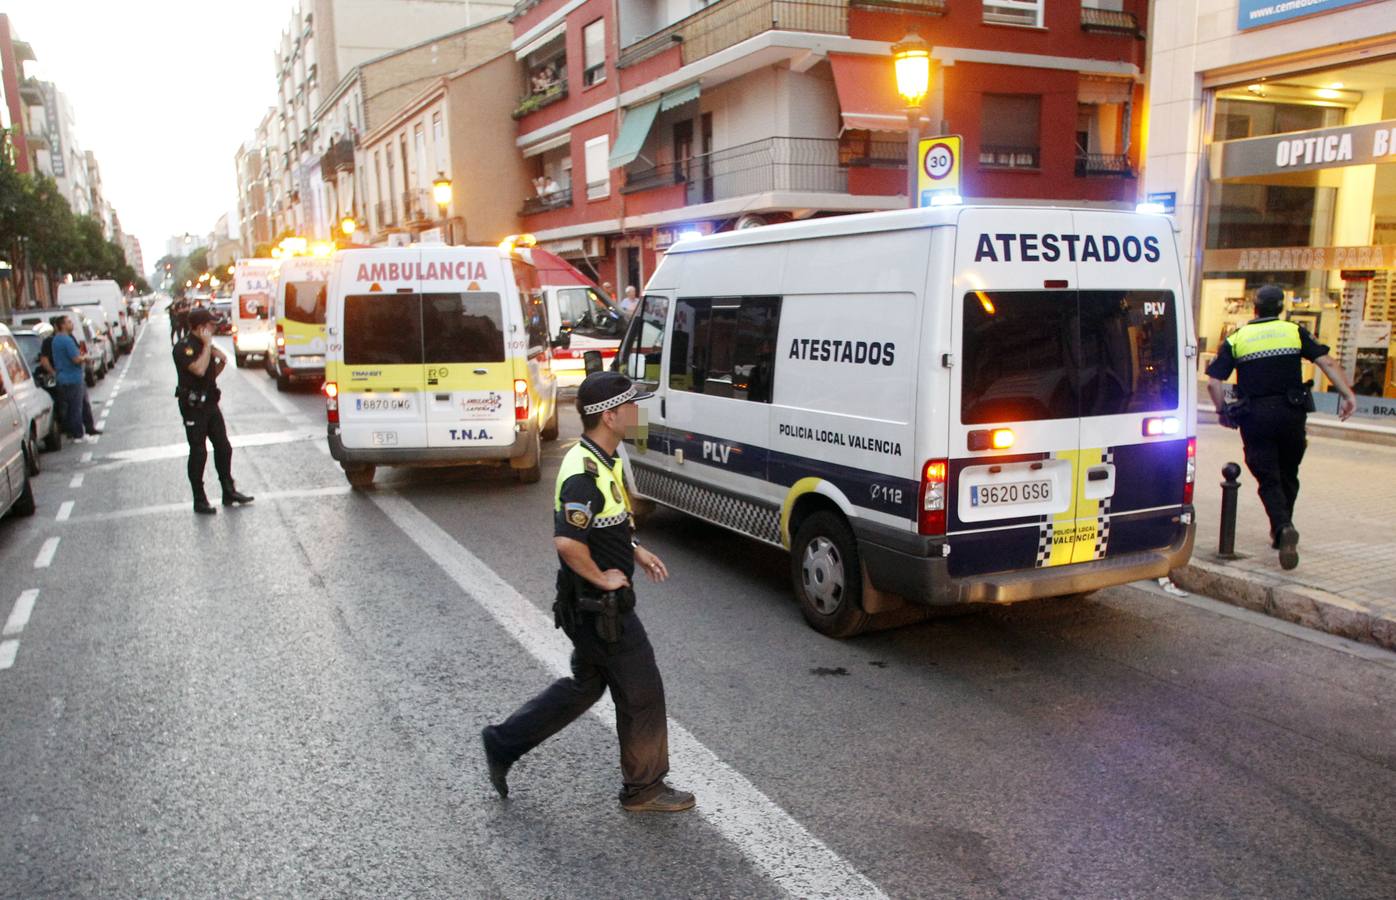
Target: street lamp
x=348, y=226
x=911, y=59
x=441, y=193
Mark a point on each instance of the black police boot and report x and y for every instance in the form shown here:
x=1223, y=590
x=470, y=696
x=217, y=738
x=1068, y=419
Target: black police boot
x=1287, y=542
x=202, y=506
x=497, y=768
x=231, y=495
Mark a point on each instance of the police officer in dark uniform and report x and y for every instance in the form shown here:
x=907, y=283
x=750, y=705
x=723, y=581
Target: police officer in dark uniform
x=1271, y=406
x=179, y=320
x=594, y=537
x=199, y=364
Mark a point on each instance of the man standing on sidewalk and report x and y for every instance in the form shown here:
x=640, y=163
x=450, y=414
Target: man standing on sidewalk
x=1272, y=406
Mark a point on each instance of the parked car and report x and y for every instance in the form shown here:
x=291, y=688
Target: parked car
x=102, y=332
x=223, y=309
x=30, y=343
x=16, y=490
x=89, y=342
x=34, y=405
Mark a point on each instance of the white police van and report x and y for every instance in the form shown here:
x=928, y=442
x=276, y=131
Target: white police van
x=942, y=406
x=437, y=356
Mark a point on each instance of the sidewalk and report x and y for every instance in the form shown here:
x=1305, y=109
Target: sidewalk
x=1346, y=580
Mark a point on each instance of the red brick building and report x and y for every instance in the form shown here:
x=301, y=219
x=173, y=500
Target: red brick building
x=644, y=119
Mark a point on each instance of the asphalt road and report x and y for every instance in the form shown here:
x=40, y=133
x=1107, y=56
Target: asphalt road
x=285, y=699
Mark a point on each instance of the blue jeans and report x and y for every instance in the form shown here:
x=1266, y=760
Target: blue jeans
x=74, y=400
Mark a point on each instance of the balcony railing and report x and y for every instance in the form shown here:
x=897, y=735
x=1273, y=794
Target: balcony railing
x=1107, y=164
x=1112, y=21
x=338, y=158
x=539, y=99
x=773, y=164
x=730, y=22
x=1003, y=156
x=912, y=7
x=417, y=207
x=556, y=200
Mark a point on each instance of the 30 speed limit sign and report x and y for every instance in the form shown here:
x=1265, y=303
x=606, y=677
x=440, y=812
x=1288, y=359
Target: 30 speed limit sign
x=939, y=169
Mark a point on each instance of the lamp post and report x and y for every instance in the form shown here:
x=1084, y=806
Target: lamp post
x=911, y=59
x=441, y=193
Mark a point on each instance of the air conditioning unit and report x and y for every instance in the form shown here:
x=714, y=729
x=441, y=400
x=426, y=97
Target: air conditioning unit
x=594, y=246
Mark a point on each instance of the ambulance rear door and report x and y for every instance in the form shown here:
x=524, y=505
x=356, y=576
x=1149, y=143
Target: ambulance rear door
x=382, y=378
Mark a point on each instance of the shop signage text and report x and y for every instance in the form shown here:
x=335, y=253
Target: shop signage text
x=1300, y=259
x=1354, y=145
x=1255, y=13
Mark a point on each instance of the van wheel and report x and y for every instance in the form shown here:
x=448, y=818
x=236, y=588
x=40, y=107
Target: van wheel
x=531, y=475
x=240, y=359
x=89, y=378
x=283, y=383
x=25, y=505
x=550, y=430
x=828, y=576
x=31, y=458
x=360, y=477
x=53, y=441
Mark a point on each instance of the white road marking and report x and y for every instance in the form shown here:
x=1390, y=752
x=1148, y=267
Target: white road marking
x=175, y=451
x=77, y=480
x=86, y=457
x=65, y=510
x=278, y=402
x=19, y=616
x=793, y=858
x=182, y=508
x=8, y=651
x=45, y=557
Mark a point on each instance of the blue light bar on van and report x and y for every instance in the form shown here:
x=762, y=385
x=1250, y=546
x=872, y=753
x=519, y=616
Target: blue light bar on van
x=1152, y=209
x=946, y=199
x=690, y=234
x=1154, y=427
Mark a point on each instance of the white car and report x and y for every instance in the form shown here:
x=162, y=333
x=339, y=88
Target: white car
x=33, y=404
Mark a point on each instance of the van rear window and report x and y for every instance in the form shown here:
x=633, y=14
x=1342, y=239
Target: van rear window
x=415, y=329
x=1038, y=355
x=305, y=302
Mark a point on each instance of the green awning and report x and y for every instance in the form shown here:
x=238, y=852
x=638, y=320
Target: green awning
x=685, y=94
x=633, y=131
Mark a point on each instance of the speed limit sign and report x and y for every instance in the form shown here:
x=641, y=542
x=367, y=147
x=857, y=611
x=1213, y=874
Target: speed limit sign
x=939, y=169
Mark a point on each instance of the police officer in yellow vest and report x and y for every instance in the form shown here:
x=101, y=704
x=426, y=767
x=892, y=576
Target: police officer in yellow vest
x=1271, y=406
x=593, y=533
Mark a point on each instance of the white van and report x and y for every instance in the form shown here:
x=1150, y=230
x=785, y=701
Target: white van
x=252, y=330
x=576, y=308
x=941, y=406
x=109, y=297
x=298, y=291
x=437, y=356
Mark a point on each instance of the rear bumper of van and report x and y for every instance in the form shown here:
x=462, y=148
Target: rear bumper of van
x=913, y=566
x=430, y=456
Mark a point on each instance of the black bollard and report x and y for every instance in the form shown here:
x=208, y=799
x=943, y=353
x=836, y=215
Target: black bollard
x=1226, y=541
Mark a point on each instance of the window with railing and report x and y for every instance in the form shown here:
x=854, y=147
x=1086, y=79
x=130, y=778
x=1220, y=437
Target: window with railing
x=1009, y=129
x=772, y=164
x=1027, y=13
x=551, y=180
x=545, y=73
x=729, y=22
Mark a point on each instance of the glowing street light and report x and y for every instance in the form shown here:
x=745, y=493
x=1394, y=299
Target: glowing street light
x=441, y=193
x=911, y=60
x=348, y=226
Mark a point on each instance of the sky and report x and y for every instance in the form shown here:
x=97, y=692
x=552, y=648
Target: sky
x=163, y=93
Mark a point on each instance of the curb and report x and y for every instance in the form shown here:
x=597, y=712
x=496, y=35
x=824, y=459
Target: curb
x=1310, y=607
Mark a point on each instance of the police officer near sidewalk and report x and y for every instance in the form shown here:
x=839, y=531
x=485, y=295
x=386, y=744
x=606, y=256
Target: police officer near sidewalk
x=199, y=364
x=595, y=606
x=1272, y=405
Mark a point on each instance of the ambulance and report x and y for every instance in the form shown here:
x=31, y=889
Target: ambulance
x=252, y=308
x=942, y=406
x=298, y=300
x=578, y=309
x=437, y=356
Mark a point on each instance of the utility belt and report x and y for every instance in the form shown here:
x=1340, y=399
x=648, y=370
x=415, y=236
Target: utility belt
x=576, y=596
x=1298, y=397
x=197, y=399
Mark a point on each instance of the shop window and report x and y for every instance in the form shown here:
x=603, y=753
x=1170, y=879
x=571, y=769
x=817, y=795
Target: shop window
x=1239, y=119
x=1009, y=129
x=725, y=348
x=1027, y=13
x=594, y=53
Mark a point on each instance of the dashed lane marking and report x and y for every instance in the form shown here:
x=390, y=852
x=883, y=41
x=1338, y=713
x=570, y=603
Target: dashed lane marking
x=19, y=616
x=77, y=480
x=8, y=651
x=65, y=509
x=780, y=847
x=45, y=557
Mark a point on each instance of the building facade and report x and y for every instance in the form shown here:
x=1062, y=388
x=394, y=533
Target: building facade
x=1273, y=133
x=642, y=120
x=22, y=94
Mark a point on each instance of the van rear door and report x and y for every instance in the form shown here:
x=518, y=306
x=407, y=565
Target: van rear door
x=382, y=377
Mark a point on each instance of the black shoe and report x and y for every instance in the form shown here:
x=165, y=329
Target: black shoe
x=498, y=770
x=231, y=496
x=1287, y=542
x=96, y=431
x=204, y=508
x=667, y=800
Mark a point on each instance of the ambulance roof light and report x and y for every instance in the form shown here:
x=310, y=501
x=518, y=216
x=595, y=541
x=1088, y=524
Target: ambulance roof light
x=516, y=241
x=1150, y=209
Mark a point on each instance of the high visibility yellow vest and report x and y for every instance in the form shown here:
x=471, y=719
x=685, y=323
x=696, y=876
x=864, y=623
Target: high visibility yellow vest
x=610, y=481
x=1272, y=337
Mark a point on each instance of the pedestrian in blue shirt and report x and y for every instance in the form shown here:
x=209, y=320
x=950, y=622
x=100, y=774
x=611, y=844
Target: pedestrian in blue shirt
x=68, y=360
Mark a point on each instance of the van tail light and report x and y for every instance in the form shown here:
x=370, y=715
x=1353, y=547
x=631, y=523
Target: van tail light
x=1156, y=426
x=331, y=391
x=931, y=515
x=520, y=400
x=1190, y=477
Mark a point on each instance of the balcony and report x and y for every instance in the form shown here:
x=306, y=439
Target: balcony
x=1110, y=21
x=541, y=98
x=1003, y=156
x=385, y=214
x=1110, y=165
x=935, y=8
x=773, y=164
x=338, y=158
x=729, y=22
x=31, y=92
x=556, y=200
x=417, y=208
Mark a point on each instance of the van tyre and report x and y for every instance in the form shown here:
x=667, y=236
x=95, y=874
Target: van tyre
x=89, y=378
x=31, y=458
x=25, y=505
x=53, y=441
x=828, y=576
x=283, y=382
x=550, y=430
x=240, y=359
x=531, y=474
x=360, y=477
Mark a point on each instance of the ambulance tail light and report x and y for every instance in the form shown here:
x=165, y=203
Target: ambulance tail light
x=1190, y=477
x=931, y=515
x=520, y=400
x=331, y=391
x=280, y=337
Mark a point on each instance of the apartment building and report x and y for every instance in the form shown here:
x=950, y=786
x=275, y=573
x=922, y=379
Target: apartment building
x=645, y=119
x=64, y=161
x=254, y=217
x=22, y=94
x=131, y=246
x=322, y=42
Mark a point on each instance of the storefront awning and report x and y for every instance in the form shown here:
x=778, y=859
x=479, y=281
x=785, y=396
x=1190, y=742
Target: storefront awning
x=1103, y=90
x=639, y=119
x=867, y=89
x=686, y=94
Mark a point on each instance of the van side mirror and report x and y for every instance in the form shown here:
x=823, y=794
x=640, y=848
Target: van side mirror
x=562, y=341
x=591, y=361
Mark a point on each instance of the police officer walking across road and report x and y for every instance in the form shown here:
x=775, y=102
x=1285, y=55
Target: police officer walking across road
x=199, y=363
x=1272, y=405
x=594, y=537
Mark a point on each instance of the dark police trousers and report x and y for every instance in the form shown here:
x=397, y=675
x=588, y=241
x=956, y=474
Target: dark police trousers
x=1273, y=435
x=205, y=423
x=629, y=670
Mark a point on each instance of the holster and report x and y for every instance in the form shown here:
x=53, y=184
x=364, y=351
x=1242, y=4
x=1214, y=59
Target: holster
x=606, y=608
x=1302, y=397
x=193, y=399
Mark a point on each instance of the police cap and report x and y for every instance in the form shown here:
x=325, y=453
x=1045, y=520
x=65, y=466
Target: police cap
x=607, y=390
x=200, y=317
